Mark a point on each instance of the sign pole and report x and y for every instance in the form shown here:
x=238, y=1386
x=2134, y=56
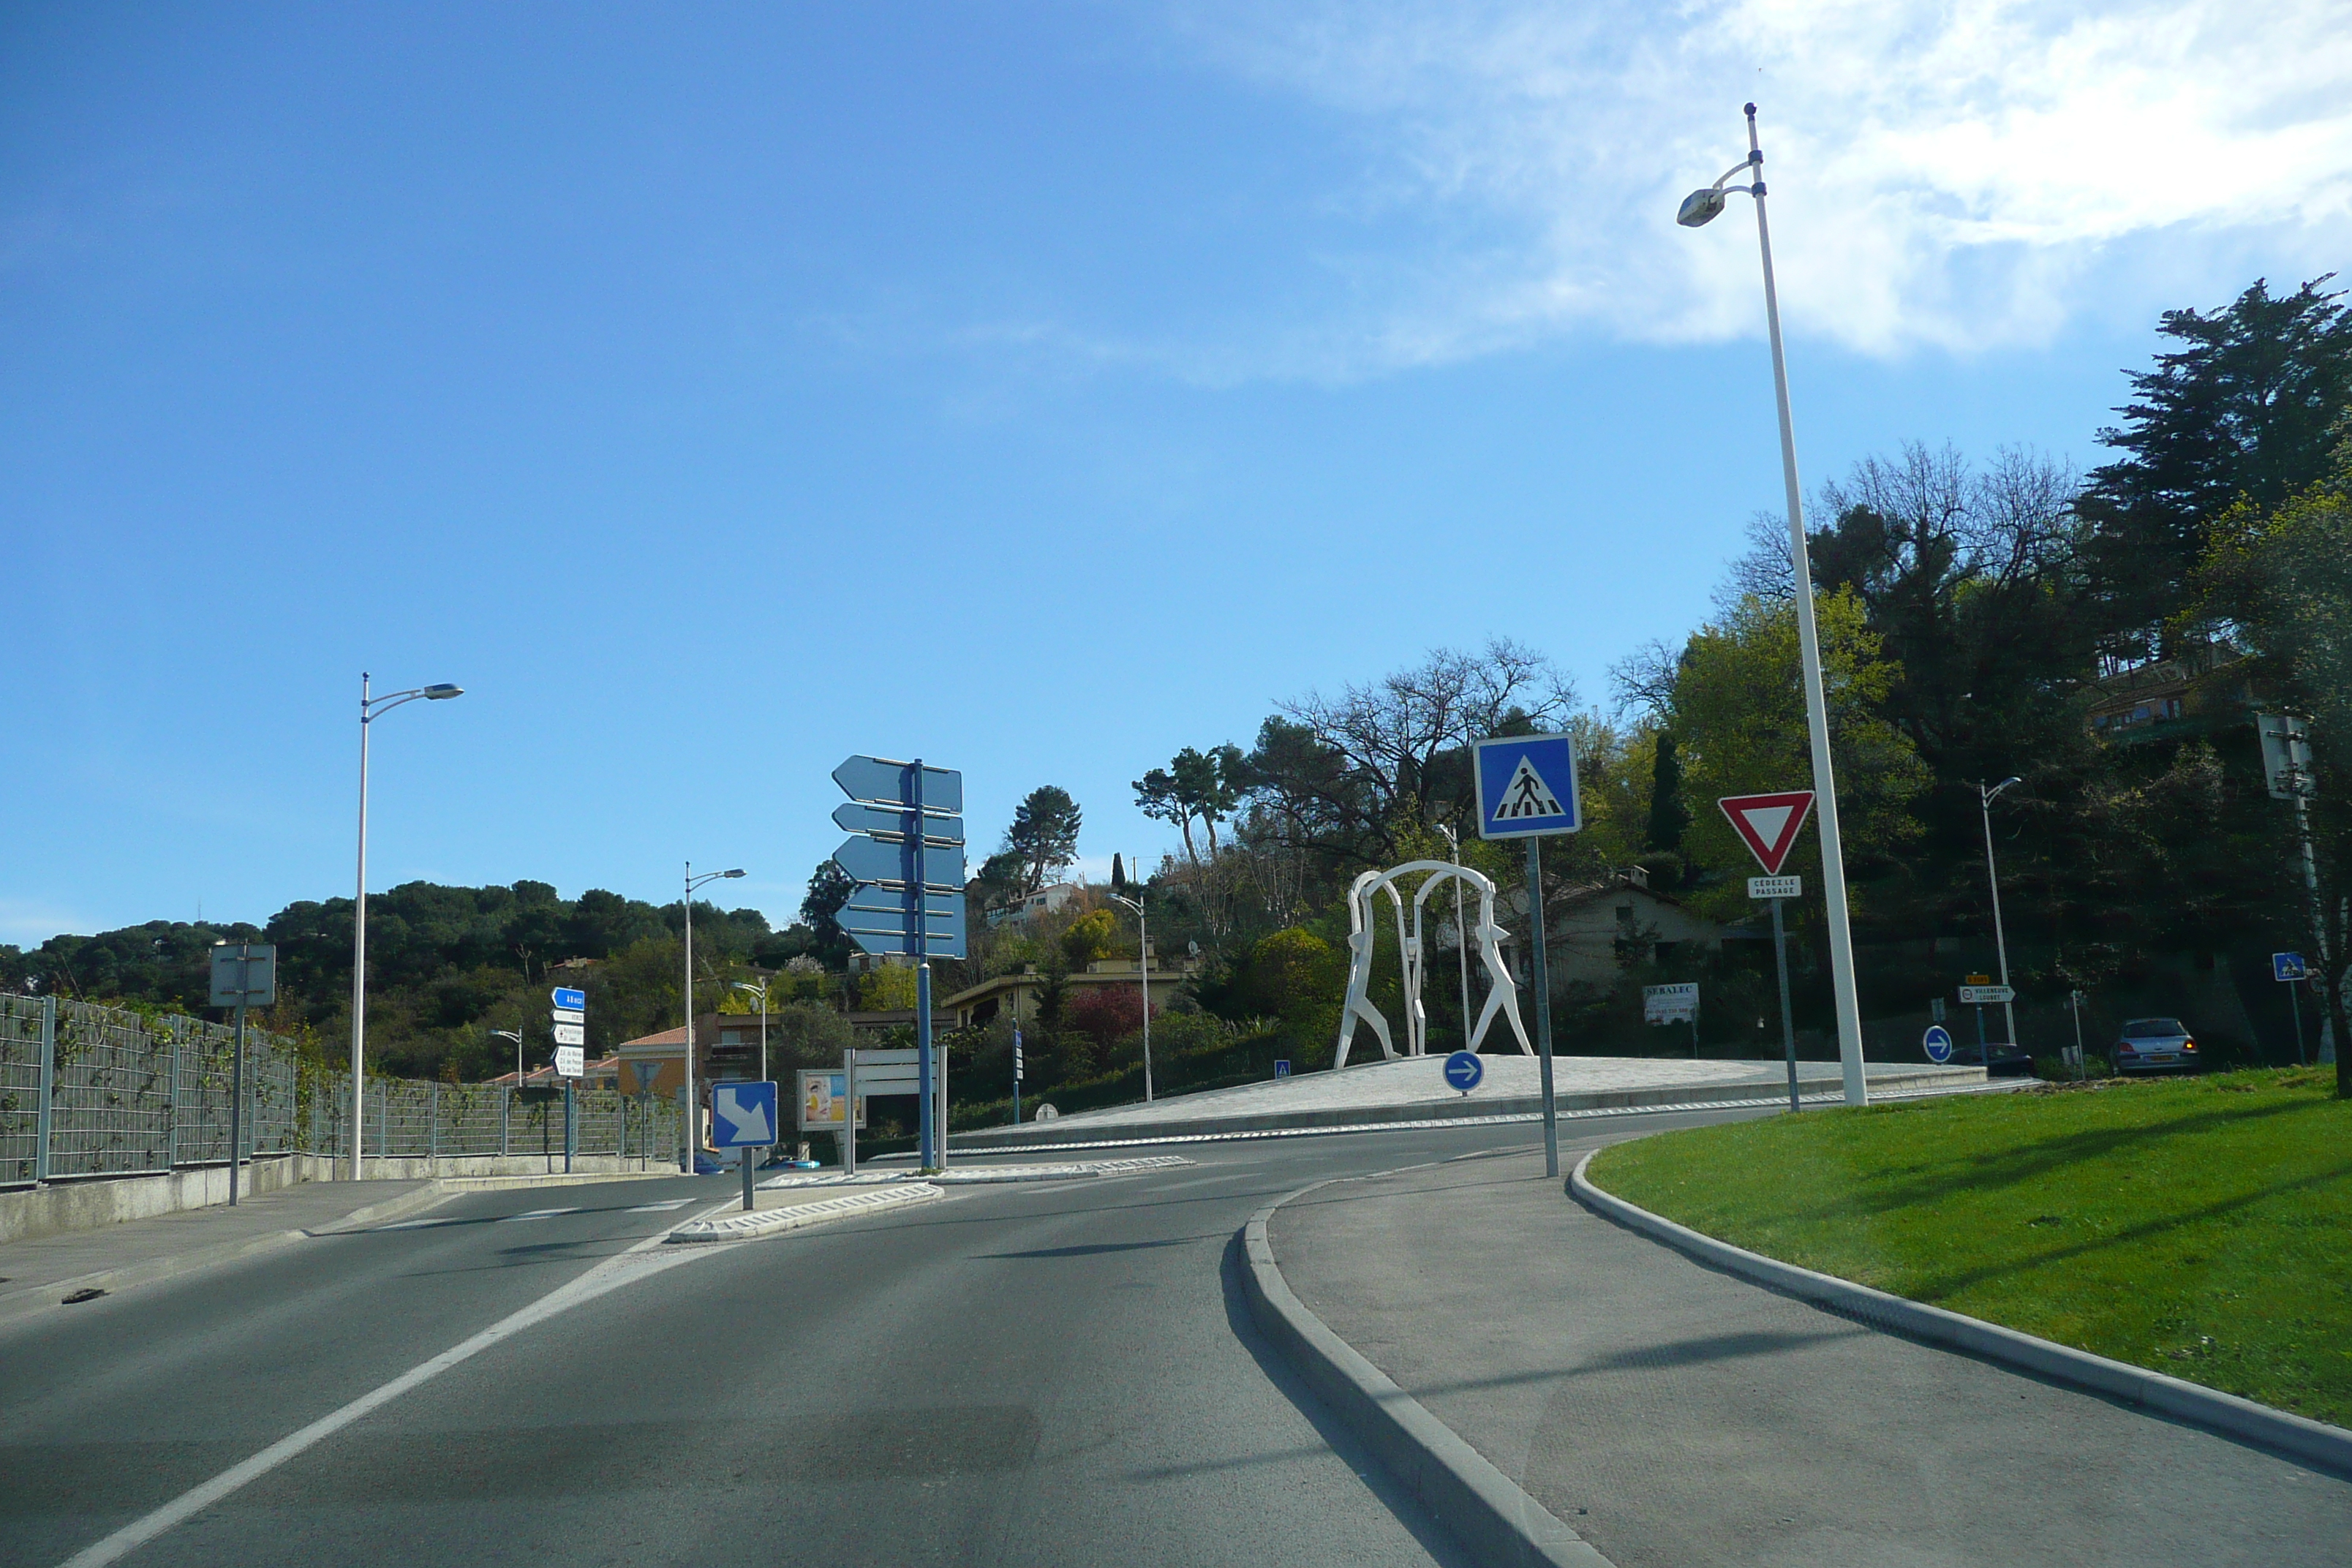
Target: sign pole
x=1543, y=1005
x=1016, y=1071
x=849, y=1112
x=918, y=922
x=236, y=1095
x=2296, y=1001
x=1788, y=1018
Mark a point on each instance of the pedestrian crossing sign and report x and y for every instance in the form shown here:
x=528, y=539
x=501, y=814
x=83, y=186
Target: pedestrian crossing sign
x=1527, y=786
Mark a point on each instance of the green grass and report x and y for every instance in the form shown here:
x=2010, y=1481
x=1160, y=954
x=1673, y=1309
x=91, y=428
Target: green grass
x=2200, y=1227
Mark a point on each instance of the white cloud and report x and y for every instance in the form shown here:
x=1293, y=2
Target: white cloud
x=1957, y=175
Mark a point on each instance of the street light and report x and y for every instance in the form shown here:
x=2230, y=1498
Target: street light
x=515, y=1035
x=371, y=709
x=1985, y=797
x=1143, y=961
x=1461, y=931
x=693, y=1111
x=758, y=989
x=1698, y=208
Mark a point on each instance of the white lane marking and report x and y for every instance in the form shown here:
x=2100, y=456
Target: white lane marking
x=638, y=1262
x=417, y=1223
x=658, y=1208
x=537, y=1214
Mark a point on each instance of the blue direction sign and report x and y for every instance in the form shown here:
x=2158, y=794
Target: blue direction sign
x=564, y=997
x=1464, y=1070
x=875, y=932
x=865, y=898
x=742, y=1115
x=893, y=822
x=2289, y=967
x=1527, y=786
x=872, y=860
x=1938, y=1043
x=886, y=782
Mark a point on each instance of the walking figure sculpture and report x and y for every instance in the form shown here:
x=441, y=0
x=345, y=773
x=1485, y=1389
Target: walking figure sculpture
x=1502, y=994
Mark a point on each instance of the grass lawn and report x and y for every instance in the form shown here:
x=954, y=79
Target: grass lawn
x=2199, y=1226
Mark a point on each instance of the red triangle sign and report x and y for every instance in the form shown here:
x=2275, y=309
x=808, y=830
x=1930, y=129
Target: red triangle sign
x=1769, y=823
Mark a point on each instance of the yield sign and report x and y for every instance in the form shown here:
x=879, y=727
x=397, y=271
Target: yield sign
x=1769, y=823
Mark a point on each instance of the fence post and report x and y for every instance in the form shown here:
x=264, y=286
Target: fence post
x=433, y=1117
x=506, y=1118
x=172, y=1107
x=43, y=1118
x=384, y=1124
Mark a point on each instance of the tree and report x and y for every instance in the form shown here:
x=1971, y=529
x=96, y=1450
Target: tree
x=1668, y=815
x=2243, y=410
x=1044, y=834
x=829, y=888
x=1197, y=784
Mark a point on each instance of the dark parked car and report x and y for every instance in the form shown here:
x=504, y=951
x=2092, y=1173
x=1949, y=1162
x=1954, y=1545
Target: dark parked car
x=2155, y=1045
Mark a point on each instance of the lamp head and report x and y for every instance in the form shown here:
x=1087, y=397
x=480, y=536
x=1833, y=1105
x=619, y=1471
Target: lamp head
x=1996, y=789
x=443, y=692
x=1700, y=208
x=737, y=872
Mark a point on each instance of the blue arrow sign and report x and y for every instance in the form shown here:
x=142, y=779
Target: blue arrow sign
x=868, y=900
x=935, y=945
x=1527, y=786
x=1938, y=1043
x=742, y=1115
x=1464, y=1070
x=893, y=922
x=871, y=861
x=889, y=822
x=886, y=782
x=564, y=997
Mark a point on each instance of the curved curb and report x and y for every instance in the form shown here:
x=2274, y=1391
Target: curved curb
x=2314, y=1442
x=1486, y=1510
x=751, y=1226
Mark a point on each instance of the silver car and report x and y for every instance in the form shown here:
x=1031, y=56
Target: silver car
x=2155, y=1045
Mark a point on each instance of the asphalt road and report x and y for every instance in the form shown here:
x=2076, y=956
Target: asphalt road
x=1050, y=1373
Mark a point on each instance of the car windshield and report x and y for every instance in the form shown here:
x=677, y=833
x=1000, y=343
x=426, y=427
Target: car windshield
x=2152, y=1028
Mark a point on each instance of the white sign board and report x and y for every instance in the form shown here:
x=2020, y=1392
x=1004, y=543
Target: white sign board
x=569, y=1016
x=245, y=974
x=1984, y=995
x=1670, y=1003
x=571, y=1034
x=569, y=1061
x=895, y=1072
x=1776, y=886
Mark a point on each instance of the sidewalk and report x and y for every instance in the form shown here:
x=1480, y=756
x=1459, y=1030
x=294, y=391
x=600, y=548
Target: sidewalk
x=1672, y=1415
x=35, y=1275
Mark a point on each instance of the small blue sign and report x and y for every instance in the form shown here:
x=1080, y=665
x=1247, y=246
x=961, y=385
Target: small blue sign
x=742, y=1115
x=887, y=782
x=872, y=860
x=1281, y=1066
x=2289, y=967
x=894, y=824
x=1937, y=1042
x=566, y=997
x=1464, y=1070
x=1527, y=786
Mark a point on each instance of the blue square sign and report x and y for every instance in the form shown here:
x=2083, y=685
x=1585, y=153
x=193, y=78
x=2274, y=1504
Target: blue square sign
x=742, y=1115
x=1527, y=786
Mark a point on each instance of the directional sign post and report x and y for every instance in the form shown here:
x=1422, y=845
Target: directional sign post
x=568, y=1016
x=1527, y=789
x=743, y=1116
x=1016, y=1075
x=2289, y=970
x=245, y=974
x=1769, y=825
x=906, y=856
x=1464, y=1070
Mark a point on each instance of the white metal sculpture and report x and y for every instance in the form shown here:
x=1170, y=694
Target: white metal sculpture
x=1502, y=995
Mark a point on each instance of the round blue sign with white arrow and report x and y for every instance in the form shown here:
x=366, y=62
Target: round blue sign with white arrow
x=1463, y=1069
x=1939, y=1043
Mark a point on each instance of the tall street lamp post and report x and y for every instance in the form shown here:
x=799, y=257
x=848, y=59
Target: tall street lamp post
x=1461, y=931
x=515, y=1035
x=1986, y=795
x=693, y=1111
x=1143, y=961
x=371, y=708
x=1700, y=207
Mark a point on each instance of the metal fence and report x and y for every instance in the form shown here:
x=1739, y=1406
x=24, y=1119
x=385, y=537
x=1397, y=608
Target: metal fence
x=96, y=1091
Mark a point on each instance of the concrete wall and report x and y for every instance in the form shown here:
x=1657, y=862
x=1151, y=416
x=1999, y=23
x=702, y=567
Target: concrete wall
x=89, y=1203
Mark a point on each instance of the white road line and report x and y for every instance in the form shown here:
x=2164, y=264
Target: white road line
x=658, y=1208
x=537, y=1214
x=636, y=1263
x=417, y=1224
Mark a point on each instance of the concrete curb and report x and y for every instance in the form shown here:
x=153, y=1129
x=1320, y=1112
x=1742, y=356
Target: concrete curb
x=740, y=1227
x=1488, y=1514
x=2314, y=1442
x=978, y=1175
x=1088, y=1131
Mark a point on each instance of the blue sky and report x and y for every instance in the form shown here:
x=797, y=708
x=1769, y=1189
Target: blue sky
x=714, y=391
